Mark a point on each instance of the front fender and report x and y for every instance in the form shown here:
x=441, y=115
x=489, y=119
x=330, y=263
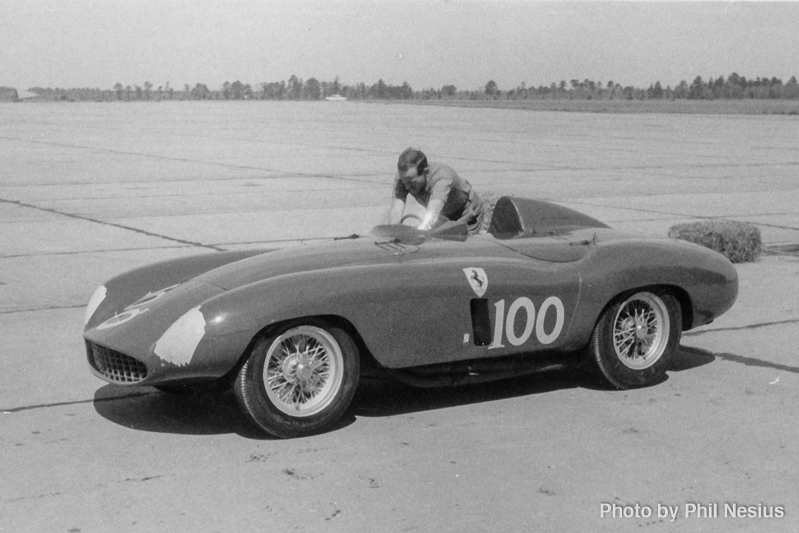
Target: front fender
x=198, y=331
x=119, y=292
x=358, y=294
x=251, y=308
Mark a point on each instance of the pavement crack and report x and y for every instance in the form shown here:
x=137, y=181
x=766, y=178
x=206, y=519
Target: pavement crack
x=752, y=361
x=36, y=497
x=741, y=359
x=35, y=309
x=111, y=224
x=282, y=174
x=742, y=328
x=139, y=480
x=85, y=252
x=13, y=410
x=686, y=215
x=127, y=152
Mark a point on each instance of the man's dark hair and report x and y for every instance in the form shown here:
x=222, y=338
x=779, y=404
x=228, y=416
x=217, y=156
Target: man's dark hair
x=411, y=157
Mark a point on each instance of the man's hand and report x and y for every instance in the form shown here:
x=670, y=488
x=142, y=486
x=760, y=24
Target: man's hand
x=431, y=216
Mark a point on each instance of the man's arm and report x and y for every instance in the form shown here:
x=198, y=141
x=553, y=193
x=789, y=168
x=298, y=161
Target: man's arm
x=395, y=213
x=434, y=208
x=438, y=197
x=399, y=195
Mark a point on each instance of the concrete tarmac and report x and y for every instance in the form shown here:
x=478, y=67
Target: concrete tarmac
x=90, y=190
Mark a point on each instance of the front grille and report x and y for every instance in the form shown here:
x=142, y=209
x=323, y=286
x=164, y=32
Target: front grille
x=115, y=366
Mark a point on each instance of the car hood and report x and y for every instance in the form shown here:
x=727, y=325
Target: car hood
x=349, y=252
x=304, y=259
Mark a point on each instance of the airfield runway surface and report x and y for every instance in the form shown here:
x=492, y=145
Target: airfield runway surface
x=90, y=190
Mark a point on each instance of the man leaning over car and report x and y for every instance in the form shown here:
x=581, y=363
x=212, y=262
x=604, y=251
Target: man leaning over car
x=439, y=189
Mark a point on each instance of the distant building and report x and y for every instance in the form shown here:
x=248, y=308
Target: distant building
x=10, y=94
x=336, y=98
x=26, y=95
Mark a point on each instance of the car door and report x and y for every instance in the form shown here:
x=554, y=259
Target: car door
x=458, y=302
x=521, y=306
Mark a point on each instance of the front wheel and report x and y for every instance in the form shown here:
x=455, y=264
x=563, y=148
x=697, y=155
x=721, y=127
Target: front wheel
x=299, y=380
x=636, y=338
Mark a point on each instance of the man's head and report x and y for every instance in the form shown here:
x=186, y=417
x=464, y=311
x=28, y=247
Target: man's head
x=412, y=166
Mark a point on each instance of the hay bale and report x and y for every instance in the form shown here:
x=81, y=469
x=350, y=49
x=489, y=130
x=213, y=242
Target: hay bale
x=739, y=242
x=8, y=94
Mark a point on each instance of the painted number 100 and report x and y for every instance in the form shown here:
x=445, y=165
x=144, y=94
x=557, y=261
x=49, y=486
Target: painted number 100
x=504, y=323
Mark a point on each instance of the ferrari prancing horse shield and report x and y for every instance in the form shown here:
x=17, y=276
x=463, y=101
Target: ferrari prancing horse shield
x=477, y=279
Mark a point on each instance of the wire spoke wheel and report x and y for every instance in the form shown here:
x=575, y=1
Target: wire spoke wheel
x=299, y=380
x=641, y=331
x=636, y=338
x=303, y=371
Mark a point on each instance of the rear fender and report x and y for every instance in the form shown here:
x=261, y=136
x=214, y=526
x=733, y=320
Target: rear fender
x=704, y=282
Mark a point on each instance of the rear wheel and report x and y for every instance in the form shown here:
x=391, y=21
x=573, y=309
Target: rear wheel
x=299, y=380
x=636, y=338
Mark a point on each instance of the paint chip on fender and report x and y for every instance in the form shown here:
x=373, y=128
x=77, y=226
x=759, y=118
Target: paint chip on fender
x=179, y=341
x=95, y=301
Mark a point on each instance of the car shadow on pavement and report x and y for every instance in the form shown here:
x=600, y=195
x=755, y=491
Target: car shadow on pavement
x=689, y=357
x=379, y=398
x=160, y=412
x=388, y=398
x=216, y=413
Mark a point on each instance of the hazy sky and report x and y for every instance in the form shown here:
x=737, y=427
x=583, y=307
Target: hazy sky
x=428, y=43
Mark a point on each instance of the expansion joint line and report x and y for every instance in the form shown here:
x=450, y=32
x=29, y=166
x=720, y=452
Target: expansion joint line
x=281, y=174
x=112, y=224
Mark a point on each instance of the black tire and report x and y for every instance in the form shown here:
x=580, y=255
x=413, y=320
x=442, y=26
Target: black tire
x=313, y=370
x=636, y=338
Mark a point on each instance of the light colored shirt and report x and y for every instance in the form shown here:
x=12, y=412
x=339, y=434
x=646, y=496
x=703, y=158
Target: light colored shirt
x=443, y=184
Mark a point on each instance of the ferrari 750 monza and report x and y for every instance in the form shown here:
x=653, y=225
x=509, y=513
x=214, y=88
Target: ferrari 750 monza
x=293, y=330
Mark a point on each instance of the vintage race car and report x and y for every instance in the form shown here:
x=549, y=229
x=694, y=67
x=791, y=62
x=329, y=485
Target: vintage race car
x=293, y=330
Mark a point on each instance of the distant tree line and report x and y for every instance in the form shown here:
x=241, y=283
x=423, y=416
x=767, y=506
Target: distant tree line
x=733, y=87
